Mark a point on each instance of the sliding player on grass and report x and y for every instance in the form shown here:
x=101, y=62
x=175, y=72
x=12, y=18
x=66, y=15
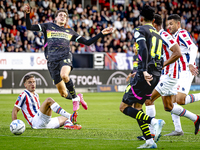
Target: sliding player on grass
x=39, y=117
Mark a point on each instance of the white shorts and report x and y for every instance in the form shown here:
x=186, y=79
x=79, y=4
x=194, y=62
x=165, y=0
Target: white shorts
x=185, y=82
x=167, y=86
x=42, y=121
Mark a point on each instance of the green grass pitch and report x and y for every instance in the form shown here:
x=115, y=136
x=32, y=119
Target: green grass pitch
x=104, y=127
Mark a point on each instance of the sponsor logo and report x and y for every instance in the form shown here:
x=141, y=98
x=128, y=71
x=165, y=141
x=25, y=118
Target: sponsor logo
x=3, y=62
x=32, y=60
x=86, y=80
x=117, y=78
x=17, y=61
x=39, y=79
x=41, y=61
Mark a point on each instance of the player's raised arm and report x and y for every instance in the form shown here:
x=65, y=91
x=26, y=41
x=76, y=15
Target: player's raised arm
x=28, y=22
x=84, y=41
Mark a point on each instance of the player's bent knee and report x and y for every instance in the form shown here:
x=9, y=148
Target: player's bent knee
x=49, y=100
x=63, y=94
x=65, y=77
x=180, y=102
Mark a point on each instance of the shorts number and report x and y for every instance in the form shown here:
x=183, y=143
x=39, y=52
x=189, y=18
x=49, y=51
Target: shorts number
x=155, y=51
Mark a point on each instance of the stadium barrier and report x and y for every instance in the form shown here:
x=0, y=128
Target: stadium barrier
x=87, y=80
x=91, y=73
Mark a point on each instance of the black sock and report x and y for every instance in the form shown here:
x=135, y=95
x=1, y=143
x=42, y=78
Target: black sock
x=70, y=87
x=145, y=129
x=137, y=114
x=69, y=96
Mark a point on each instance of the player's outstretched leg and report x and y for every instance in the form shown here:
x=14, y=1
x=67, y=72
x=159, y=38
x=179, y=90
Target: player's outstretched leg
x=83, y=103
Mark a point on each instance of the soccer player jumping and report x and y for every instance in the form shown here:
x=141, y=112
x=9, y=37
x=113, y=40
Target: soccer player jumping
x=58, y=54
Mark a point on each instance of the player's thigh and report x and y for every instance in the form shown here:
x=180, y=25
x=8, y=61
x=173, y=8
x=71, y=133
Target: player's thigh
x=167, y=86
x=53, y=123
x=40, y=120
x=65, y=71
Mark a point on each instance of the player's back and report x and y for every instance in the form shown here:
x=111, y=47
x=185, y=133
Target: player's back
x=154, y=48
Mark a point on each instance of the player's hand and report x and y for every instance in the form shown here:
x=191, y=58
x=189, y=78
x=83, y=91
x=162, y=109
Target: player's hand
x=26, y=8
x=107, y=30
x=132, y=75
x=147, y=77
x=193, y=70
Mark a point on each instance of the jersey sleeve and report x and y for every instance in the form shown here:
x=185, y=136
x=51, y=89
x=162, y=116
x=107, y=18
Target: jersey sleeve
x=20, y=100
x=75, y=36
x=36, y=27
x=142, y=49
x=82, y=40
x=185, y=39
x=168, y=40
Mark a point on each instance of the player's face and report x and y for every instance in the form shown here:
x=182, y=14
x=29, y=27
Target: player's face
x=30, y=84
x=172, y=26
x=61, y=18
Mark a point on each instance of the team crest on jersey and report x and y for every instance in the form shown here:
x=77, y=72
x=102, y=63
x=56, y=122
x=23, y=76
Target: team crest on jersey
x=19, y=98
x=136, y=34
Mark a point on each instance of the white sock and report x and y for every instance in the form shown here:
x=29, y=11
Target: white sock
x=153, y=121
x=150, y=141
x=192, y=98
x=68, y=122
x=57, y=109
x=180, y=111
x=151, y=111
x=177, y=122
x=77, y=98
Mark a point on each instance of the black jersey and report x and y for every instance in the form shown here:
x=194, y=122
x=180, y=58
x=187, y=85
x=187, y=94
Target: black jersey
x=57, y=39
x=149, y=46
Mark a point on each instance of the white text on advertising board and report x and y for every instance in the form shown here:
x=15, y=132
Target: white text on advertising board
x=86, y=80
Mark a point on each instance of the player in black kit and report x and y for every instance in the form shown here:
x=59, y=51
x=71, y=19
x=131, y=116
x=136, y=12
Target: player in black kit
x=150, y=63
x=57, y=52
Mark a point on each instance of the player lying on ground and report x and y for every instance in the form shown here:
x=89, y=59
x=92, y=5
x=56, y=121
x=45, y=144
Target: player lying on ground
x=39, y=117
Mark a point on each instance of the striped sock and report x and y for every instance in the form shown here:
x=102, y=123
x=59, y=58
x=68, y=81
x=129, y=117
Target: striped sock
x=180, y=111
x=145, y=129
x=137, y=114
x=57, y=109
x=192, y=98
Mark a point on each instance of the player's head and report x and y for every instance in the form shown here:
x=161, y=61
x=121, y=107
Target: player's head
x=61, y=17
x=147, y=14
x=174, y=23
x=157, y=21
x=29, y=83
